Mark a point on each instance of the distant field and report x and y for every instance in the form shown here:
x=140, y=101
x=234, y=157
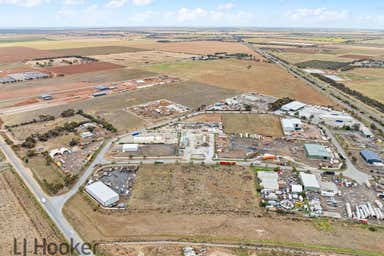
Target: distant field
x=245, y=76
x=82, y=68
x=73, y=43
x=101, y=50
x=266, y=125
x=14, y=54
x=197, y=47
x=367, y=81
x=138, y=59
x=296, y=57
x=321, y=64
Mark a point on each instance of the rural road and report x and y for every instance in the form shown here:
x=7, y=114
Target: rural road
x=53, y=205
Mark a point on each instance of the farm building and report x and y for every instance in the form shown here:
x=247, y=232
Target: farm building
x=293, y=106
x=268, y=180
x=130, y=147
x=99, y=94
x=291, y=125
x=86, y=135
x=317, y=151
x=309, y=182
x=102, y=193
x=6, y=80
x=370, y=157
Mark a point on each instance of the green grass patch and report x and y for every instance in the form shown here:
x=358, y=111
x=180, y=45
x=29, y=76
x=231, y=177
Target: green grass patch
x=323, y=224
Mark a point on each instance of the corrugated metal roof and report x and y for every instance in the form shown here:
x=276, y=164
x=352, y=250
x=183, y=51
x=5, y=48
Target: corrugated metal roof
x=317, y=150
x=369, y=155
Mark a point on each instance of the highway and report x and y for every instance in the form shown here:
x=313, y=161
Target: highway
x=363, y=111
x=53, y=205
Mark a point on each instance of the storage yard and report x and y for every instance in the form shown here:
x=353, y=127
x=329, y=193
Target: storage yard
x=158, y=109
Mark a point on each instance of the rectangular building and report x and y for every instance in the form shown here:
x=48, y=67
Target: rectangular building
x=317, y=151
x=293, y=106
x=309, y=182
x=370, y=157
x=102, y=193
x=291, y=125
x=268, y=180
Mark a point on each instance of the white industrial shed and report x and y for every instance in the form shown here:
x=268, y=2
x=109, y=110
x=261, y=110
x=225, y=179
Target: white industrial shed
x=269, y=180
x=102, y=193
x=293, y=106
x=291, y=125
x=310, y=182
x=130, y=147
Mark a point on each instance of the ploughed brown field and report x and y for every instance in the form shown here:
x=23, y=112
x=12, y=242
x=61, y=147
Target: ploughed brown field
x=83, y=68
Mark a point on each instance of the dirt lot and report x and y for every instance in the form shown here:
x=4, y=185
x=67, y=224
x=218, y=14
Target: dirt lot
x=137, y=59
x=263, y=124
x=165, y=207
x=82, y=68
x=209, y=118
x=14, y=54
x=98, y=50
x=245, y=76
x=21, y=217
x=194, y=189
x=113, y=107
x=368, y=81
x=67, y=83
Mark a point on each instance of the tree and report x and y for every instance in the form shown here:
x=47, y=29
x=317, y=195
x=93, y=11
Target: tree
x=68, y=113
x=74, y=142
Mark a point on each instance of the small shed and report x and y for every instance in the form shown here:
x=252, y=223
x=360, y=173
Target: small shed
x=130, y=147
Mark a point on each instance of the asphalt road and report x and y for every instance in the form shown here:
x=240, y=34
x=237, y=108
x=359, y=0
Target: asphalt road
x=53, y=205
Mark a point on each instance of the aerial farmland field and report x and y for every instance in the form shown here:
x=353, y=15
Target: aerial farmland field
x=245, y=76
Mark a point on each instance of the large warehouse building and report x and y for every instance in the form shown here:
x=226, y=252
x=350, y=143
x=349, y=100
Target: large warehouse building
x=102, y=193
x=268, y=180
x=370, y=157
x=309, y=182
x=317, y=151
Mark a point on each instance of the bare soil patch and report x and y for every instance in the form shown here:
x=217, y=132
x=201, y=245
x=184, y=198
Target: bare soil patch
x=98, y=50
x=14, y=54
x=82, y=68
x=261, y=124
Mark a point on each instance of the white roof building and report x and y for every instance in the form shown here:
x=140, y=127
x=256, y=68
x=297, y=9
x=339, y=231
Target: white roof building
x=130, y=147
x=293, y=106
x=102, y=193
x=296, y=188
x=309, y=181
x=60, y=151
x=291, y=125
x=269, y=180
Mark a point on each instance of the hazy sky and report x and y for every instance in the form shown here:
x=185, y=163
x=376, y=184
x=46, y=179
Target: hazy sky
x=258, y=13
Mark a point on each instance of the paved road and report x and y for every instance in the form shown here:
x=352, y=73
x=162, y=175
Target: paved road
x=53, y=205
x=351, y=171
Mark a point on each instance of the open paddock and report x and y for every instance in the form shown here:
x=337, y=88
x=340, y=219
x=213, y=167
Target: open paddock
x=137, y=59
x=244, y=76
x=260, y=124
x=15, y=54
x=96, y=50
x=82, y=68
